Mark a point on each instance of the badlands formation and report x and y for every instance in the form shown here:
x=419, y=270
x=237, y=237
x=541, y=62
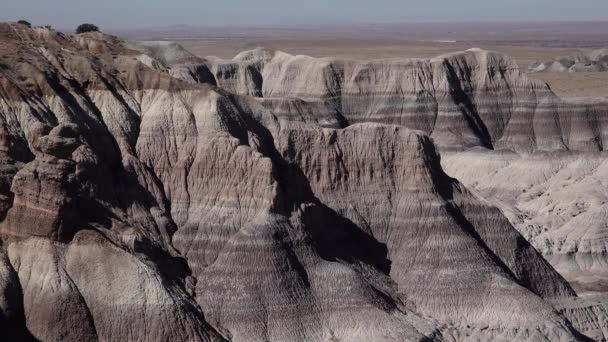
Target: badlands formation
x=593, y=61
x=150, y=195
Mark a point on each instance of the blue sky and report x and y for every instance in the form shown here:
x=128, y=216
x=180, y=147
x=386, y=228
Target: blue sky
x=147, y=13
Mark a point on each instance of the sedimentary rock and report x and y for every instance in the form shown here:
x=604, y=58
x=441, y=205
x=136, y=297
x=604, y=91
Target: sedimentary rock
x=592, y=61
x=148, y=201
x=87, y=233
x=556, y=201
x=462, y=100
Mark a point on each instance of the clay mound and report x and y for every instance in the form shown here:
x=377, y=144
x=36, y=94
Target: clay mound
x=592, y=61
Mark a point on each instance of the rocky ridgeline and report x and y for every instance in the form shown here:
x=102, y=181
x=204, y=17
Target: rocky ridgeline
x=462, y=100
x=538, y=157
x=144, y=199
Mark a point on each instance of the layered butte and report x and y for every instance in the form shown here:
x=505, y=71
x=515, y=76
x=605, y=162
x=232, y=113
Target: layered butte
x=538, y=157
x=151, y=195
x=462, y=100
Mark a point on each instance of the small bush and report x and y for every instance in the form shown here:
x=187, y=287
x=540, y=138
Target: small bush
x=86, y=28
x=25, y=22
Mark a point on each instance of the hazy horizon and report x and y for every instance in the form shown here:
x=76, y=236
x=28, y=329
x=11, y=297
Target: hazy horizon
x=113, y=14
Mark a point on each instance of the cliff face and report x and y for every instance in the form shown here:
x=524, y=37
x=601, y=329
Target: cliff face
x=86, y=230
x=462, y=100
x=139, y=204
x=538, y=157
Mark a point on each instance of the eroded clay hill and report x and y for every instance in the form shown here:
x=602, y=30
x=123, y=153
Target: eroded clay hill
x=538, y=157
x=462, y=100
x=591, y=61
x=140, y=205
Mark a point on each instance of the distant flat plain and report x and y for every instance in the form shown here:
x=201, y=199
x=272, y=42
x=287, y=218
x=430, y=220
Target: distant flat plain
x=526, y=42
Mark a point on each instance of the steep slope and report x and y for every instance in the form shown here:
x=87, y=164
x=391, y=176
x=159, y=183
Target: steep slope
x=259, y=276
x=557, y=202
x=101, y=220
x=142, y=206
x=89, y=244
x=465, y=99
x=373, y=179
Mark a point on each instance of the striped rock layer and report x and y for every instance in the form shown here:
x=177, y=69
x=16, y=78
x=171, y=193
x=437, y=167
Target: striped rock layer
x=462, y=100
x=541, y=159
x=138, y=206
